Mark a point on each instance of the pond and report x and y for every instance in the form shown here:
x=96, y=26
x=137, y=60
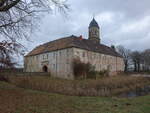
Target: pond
x=138, y=92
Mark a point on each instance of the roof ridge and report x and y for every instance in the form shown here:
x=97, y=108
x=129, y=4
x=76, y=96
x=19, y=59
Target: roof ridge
x=60, y=39
x=73, y=41
x=55, y=41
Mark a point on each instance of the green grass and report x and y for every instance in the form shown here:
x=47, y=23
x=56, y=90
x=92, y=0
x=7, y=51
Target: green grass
x=19, y=100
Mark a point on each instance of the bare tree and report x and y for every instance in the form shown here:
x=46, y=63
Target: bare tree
x=17, y=18
x=146, y=59
x=126, y=55
x=137, y=59
x=7, y=50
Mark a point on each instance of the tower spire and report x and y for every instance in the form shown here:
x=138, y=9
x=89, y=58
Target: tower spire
x=94, y=31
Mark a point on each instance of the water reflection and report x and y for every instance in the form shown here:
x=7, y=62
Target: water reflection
x=138, y=92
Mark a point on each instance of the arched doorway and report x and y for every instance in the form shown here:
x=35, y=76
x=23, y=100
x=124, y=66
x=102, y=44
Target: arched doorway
x=45, y=69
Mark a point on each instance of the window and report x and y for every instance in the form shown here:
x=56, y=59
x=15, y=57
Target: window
x=67, y=61
x=67, y=52
x=94, y=55
x=53, y=55
x=100, y=56
x=105, y=59
x=91, y=56
x=83, y=55
x=53, y=66
x=43, y=57
x=47, y=56
x=77, y=53
x=60, y=53
x=31, y=61
x=56, y=54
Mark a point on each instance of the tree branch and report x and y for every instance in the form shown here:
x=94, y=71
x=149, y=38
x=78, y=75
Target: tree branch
x=8, y=6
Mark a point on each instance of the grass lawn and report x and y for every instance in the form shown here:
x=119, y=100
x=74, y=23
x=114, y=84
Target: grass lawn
x=18, y=100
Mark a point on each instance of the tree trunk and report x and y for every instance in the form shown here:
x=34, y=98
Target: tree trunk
x=135, y=66
x=138, y=66
x=126, y=66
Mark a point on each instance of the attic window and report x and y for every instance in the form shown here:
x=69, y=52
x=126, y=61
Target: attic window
x=45, y=56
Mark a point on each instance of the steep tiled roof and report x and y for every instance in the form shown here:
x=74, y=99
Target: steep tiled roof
x=73, y=41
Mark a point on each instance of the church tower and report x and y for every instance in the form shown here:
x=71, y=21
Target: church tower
x=94, y=33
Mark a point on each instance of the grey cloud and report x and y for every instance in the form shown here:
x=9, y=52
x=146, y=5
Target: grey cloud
x=119, y=21
x=129, y=7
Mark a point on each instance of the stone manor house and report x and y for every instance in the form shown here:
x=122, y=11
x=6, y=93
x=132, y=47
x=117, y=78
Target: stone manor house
x=57, y=56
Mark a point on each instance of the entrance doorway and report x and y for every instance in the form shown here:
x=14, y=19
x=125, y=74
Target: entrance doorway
x=45, y=69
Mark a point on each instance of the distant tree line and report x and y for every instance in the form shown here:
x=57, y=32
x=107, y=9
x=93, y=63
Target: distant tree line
x=135, y=60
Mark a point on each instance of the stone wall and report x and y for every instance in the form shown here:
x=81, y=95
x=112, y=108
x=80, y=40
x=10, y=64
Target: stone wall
x=59, y=63
x=100, y=61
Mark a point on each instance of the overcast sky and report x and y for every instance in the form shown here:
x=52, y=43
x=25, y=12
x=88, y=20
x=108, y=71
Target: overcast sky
x=122, y=22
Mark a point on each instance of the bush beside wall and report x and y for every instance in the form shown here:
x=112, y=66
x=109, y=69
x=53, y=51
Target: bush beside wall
x=87, y=71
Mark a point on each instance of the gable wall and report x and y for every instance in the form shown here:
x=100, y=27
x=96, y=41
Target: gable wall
x=58, y=63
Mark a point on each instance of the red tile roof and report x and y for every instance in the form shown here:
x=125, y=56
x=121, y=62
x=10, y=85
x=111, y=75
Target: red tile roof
x=73, y=41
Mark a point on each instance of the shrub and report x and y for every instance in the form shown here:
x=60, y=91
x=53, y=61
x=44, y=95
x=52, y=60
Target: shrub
x=4, y=78
x=82, y=70
x=92, y=75
x=86, y=70
x=103, y=73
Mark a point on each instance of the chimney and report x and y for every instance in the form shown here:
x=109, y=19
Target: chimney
x=81, y=38
x=113, y=47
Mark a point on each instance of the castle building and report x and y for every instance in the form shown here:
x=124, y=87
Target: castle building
x=57, y=56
